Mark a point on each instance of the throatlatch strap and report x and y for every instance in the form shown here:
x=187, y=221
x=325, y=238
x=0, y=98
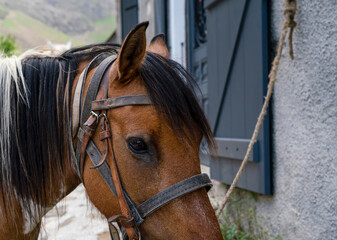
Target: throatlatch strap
x=76, y=110
x=177, y=190
x=77, y=98
x=76, y=105
x=94, y=86
x=89, y=97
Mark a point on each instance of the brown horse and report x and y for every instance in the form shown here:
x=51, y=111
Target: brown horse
x=150, y=146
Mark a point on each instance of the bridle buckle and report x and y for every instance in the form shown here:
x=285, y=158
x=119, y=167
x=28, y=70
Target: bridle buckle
x=99, y=116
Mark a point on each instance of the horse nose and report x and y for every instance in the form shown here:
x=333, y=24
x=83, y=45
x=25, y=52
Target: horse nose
x=188, y=217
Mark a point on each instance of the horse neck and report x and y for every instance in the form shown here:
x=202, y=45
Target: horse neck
x=71, y=179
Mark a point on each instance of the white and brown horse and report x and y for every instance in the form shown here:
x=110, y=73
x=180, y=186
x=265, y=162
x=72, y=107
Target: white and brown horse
x=155, y=146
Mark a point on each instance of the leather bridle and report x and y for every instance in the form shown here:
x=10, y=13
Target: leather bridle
x=92, y=115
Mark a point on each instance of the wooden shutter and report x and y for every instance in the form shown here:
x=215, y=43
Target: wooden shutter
x=236, y=77
x=129, y=15
x=197, y=53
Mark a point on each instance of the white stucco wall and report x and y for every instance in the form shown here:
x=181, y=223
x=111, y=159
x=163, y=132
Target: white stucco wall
x=304, y=122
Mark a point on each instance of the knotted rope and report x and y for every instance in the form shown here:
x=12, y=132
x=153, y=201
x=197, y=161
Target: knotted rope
x=289, y=14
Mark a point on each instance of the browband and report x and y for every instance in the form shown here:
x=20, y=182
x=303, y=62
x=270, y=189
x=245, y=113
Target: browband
x=120, y=102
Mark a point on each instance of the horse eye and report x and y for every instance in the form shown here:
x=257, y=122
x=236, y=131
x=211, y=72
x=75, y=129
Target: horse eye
x=137, y=145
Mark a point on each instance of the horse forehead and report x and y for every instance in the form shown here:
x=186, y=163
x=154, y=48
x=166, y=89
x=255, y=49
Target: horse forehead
x=134, y=86
x=136, y=119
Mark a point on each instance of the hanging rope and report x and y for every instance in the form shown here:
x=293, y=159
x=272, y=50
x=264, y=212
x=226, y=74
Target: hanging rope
x=289, y=14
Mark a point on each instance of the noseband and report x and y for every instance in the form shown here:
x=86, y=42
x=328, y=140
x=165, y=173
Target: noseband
x=93, y=114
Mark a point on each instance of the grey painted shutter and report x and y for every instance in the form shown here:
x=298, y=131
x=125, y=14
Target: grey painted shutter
x=197, y=54
x=129, y=15
x=237, y=76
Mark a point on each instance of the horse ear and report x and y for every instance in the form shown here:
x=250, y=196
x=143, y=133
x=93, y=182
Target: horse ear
x=157, y=45
x=132, y=51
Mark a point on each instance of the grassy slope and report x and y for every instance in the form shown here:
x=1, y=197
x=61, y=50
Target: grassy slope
x=18, y=20
x=30, y=32
x=103, y=29
x=41, y=29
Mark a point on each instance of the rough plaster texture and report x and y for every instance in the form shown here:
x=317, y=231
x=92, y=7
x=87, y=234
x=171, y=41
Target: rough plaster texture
x=304, y=121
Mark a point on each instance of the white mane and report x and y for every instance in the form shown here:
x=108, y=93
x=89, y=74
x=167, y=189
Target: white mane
x=10, y=76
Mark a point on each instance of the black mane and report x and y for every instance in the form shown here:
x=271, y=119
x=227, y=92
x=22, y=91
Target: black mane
x=40, y=128
x=172, y=90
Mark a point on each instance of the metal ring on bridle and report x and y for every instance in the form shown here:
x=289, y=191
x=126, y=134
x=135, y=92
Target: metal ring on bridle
x=103, y=115
x=92, y=113
x=99, y=116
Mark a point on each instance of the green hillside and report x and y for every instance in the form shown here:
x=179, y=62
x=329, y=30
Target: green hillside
x=103, y=29
x=31, y=32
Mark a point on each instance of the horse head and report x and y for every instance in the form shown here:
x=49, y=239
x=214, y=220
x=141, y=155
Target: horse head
x=153, y=146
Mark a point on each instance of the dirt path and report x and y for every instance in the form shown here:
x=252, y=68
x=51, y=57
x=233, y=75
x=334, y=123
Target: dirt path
x=74, y=218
